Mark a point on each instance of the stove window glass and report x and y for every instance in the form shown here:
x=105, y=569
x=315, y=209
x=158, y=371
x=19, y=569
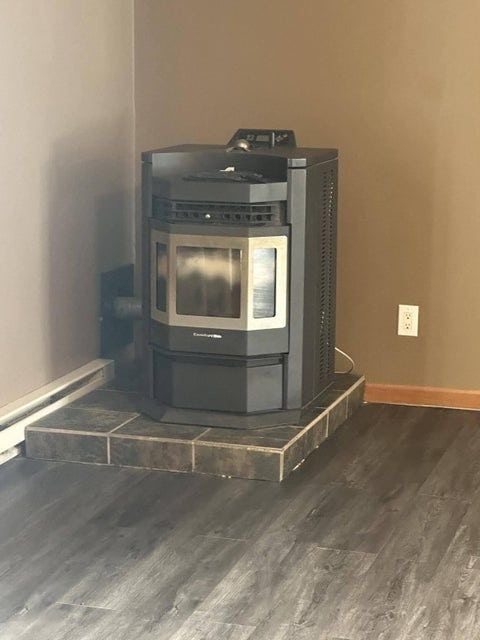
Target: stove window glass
x=264, y=282
x=162, y=267
x=208, y=282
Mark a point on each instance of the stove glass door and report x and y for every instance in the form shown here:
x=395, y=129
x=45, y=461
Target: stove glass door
x=219, y=282
x=264, y=281
x=208, y=281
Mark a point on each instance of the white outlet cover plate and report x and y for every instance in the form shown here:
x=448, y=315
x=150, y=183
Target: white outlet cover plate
x=408, y=320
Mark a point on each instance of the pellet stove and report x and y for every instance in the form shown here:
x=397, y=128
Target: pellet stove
x=239, y=279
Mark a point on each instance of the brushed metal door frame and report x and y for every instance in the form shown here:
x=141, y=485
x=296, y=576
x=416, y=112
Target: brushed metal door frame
x=247, y=246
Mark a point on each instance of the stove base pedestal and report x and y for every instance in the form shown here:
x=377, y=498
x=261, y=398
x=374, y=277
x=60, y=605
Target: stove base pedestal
x=173, y=415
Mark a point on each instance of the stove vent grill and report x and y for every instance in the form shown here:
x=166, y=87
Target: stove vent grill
x=327, y=273
x=252, y=214
x=319, y=313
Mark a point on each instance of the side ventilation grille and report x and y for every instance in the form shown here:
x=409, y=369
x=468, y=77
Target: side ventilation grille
x=328, y=233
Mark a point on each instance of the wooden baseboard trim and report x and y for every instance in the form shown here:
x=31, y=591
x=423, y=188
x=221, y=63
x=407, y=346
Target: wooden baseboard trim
x=423, y=396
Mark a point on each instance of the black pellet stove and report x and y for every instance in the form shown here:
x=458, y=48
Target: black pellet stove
x=239, y=279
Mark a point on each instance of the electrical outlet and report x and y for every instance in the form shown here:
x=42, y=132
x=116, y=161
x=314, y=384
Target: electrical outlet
x=407, y=320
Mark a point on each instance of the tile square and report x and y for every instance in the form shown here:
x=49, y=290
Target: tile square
x=309, y=415
x=146, y=427
x=337, y=416
x=239, y=462
x=355, y=399
x=76, y=419
x=328, y=397
x=128, y=377
x=344, y=380
x=151, y=454
x=109, y=400
x=319, y=431
x=272, y=437
x=303, y=446
x=71, y=447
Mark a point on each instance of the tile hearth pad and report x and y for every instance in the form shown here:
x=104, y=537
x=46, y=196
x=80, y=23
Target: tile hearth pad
x=105, y=427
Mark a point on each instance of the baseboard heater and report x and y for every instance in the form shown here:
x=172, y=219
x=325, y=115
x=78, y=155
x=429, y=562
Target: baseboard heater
x=15, y=416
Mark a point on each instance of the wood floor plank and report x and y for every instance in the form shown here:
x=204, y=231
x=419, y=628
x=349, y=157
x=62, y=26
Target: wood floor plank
x=67, y=622
x=18, y=476
x=201, y=627
x=168, y=519
x=356, y=498
x=20, y=482
x=407, y=457
x=247, y=512
x=339, y=516
x=371, y=451
x=149, y=559
x=293, y=632
x=167, y=585
x=457, y=473
x=71, y=530
x=278, y=579
x=449, y=609
x=392, y=590
x=37, y=536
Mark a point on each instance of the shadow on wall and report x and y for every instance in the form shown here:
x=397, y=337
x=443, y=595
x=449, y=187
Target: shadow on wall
x=90, y=227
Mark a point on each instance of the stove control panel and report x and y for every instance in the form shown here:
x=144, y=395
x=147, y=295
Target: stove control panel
x=247, y=139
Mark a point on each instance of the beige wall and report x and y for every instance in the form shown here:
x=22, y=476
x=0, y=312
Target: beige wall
x=394, y=85
x=66, y=179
